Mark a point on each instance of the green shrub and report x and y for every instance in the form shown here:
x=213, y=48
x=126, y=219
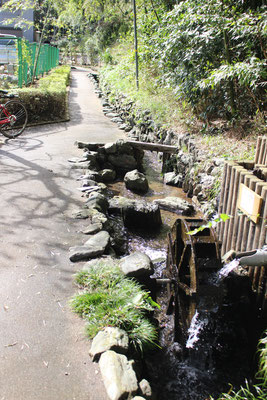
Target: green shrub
x=47, y=101
x=111, y=299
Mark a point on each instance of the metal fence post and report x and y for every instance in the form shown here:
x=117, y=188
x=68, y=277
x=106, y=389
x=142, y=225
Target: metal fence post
x=20, y=79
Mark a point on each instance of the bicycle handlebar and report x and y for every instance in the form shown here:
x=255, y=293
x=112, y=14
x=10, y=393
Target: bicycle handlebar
x=7, y=96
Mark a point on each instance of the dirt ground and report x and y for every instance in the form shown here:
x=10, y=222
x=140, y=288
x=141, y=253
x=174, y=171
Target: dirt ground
x=43, y=348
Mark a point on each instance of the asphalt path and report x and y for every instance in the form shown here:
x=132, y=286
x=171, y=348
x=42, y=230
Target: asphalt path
x=43, y=347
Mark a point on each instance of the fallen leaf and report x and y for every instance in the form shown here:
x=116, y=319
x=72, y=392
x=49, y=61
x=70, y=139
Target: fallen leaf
x=11, y=344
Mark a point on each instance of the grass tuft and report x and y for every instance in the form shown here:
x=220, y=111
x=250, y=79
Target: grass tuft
x=108, y=298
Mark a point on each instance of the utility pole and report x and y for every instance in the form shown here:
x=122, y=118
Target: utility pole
x=136, y=47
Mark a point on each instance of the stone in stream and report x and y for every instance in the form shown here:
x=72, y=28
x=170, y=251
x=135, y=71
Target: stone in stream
x=122, y=126
x=117, y=120
x=136, y=265
x=142, y=215
x=89, y=146
x=81, y=214
x=105, y=260
x=91, y=175
x=125, y=162
x=109, y=339
x=76, y=160
x=95, y=246
x=112, y=115
x=92, y=229
x=125, y=148
x=172, y=179
x=138, y=398
x=87, y=164
x=110, y=148
x=128, y=128
x=136, y=213
x=119, y=203
x=92, y=214
x=118, y=375
x=98, y=202
x=136, y=181
x=145, y=389
x=90, y=189
x=175, y=204
x=107, y=175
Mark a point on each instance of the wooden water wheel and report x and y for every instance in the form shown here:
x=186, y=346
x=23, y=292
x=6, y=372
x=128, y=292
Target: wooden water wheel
x=191, y=259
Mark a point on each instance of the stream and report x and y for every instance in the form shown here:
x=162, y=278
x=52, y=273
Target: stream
x=219, y=347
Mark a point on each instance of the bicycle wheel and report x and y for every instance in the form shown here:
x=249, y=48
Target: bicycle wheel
x=18, y=115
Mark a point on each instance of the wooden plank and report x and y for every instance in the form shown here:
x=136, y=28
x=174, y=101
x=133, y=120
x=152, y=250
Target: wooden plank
x=160, y=148
x=249, y=202
x=260, y=231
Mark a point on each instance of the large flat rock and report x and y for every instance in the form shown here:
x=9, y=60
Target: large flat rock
x=175, y=204
x=136, y=265
x=118, y=375
x=93, y=247
x=109, y=339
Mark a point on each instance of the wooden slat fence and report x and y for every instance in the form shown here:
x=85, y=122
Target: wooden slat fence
x=240, y=232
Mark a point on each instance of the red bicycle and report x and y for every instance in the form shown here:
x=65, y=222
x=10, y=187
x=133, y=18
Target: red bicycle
x=13, y=116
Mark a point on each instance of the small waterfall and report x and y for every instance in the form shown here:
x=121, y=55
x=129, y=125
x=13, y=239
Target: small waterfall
x=226, y=269
x=196, y=326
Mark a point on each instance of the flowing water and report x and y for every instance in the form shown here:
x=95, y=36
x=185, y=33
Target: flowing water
x=226, y=269
x=217, y=346
x=153, y=244
x=196, y=327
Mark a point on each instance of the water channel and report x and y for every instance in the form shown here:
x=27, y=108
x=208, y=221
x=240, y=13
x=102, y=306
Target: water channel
x=219, y=348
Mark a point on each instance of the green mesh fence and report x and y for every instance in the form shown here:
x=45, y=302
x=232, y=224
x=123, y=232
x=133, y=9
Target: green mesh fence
x=34, y=60
x=26, y=58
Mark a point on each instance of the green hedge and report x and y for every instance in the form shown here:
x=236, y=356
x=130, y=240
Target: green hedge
x=48, y=100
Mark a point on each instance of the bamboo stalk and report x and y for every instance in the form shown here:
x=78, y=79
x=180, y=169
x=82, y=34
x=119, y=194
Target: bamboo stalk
x=236, y=220
x=262, y=150
x=261, y=225
x=249, y=224
x=227, y=189
x=221, y=202
x=236, y=170
x=264, y=160
x=228, y=203
x=262, y=238
x=258, y=149
x=251, y=236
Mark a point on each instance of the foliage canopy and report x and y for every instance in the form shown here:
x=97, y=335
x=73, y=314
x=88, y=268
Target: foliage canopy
x=212, y=54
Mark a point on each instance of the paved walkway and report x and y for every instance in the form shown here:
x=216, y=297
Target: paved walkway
x=43, y=349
